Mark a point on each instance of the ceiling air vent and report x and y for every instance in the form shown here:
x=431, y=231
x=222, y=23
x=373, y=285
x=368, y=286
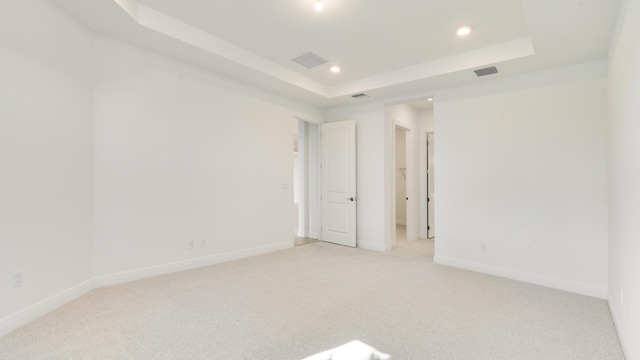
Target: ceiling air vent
x=486, y=71
x=360, y=96
x=309, y=60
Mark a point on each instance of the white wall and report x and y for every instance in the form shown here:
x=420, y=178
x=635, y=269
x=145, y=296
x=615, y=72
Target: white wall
x=46, y=155
x=425, y=120
x=522, y=168
x=171, y=168
x=181, y=157
x=624, y=179
x=170, y=153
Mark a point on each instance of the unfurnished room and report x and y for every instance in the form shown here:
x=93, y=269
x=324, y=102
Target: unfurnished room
x=320, y=179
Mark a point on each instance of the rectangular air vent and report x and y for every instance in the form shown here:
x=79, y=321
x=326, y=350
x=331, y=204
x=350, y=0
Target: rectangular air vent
x=486, y=71
x=360, y=96
x=309, y=60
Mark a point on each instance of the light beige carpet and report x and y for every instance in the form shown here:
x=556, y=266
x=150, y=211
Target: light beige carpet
x=297, y=302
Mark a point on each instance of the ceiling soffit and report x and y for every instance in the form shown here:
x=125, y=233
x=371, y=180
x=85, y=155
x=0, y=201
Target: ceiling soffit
x=162, y=23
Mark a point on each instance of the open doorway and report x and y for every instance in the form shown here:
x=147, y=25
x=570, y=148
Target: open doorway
x=306, y=182
x=401, y=183
x=413, y=188
x=403, y=173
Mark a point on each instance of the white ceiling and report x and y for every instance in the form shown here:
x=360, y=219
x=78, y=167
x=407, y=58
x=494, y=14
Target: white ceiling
x=385, y=48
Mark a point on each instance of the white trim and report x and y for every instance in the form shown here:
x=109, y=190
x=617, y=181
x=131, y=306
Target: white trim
x=188, y=34
x=138, y=274
x=374, y=246
x=566, y=285
x=24, y=316
x=622, y=335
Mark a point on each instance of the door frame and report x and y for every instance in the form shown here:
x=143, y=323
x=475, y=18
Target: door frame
x=411, y=193
x=309, y=171
x=429, y=138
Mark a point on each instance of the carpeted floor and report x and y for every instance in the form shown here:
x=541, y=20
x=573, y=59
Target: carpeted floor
x=299, y=241
x=294, y=303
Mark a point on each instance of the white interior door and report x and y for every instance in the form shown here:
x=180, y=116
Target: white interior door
x=339, y=182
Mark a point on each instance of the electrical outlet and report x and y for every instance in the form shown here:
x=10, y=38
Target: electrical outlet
x=203, y=242
x=192, y=244
x=17, y=279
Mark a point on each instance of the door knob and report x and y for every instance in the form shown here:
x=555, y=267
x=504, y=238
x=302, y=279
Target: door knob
x=351, y=199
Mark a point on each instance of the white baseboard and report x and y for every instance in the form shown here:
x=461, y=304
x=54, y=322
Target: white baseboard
x=622, y=335
x=566, y=285
x=310, y=234
x=25, y=316
x=374, y=246
x=21, y=318
x=138, y=274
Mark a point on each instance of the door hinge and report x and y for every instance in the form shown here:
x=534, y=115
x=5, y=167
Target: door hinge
x=428, y=227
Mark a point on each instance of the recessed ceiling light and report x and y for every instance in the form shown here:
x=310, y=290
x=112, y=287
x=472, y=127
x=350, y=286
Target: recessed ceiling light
x=464, y=30
x=335, y=69
x=319, y=5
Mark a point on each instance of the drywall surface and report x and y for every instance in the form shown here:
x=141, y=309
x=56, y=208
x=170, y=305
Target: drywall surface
x=426, y=121
x=521, y=178
x=189, y=170
x=624, y=177
x=46, y=159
